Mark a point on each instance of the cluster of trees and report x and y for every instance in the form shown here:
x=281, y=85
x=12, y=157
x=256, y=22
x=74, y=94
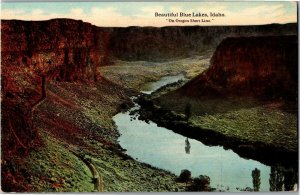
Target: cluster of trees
x=280, y=180
x=200, y=183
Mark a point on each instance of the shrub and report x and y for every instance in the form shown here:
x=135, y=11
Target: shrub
x=201, y=183
x=184, y=176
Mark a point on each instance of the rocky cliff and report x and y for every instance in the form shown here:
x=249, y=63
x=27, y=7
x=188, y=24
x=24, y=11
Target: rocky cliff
x=264, y=67
x=70, y=50
x=66, y=50
x=34, y=52
x=150, y=43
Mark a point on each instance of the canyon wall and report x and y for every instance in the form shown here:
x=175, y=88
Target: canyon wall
x=66, y=50
x=71, y=50
x=150, y=43
x=263, y=67
x=34, y=52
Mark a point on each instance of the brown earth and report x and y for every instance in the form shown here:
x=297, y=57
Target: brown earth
x=260, y=67
x=61, y=57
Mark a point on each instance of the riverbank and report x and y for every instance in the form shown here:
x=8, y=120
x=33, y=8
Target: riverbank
x=139, y=74
x=169, y=112
x=171, y=151
x=80, y=116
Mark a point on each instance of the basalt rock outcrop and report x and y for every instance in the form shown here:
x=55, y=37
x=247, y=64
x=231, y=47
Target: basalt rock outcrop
x=70, y=50
x=150, y=43
x=261, y=67
x=34, y=52
x=66, y=50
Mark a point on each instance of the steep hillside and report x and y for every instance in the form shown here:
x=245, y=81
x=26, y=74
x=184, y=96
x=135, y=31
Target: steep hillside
x=262, y=67
x=32, y=53
x=53, y=101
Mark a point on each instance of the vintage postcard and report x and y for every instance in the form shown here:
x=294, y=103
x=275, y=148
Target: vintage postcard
x=149, y=96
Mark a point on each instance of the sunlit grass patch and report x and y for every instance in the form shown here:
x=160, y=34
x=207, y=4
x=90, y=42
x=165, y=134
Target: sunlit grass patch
x=55, y=169
x=136, y=74
x=241, y=118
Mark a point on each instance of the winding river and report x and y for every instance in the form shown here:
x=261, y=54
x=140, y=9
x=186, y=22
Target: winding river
x=162, y=82
x=167, y=150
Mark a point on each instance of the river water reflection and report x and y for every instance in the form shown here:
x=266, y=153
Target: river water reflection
x=165, y=149
x=162, y=148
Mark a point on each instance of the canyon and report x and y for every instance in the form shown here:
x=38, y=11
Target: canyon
x=52, y=89
x=246, y=100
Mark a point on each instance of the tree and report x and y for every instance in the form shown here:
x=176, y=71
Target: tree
x=185, y=176
x=201, y=183
x=290, y=178
x=276, y=179
x=188, y=111
x=256, y=179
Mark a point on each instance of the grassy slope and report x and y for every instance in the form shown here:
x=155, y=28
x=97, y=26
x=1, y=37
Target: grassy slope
x=80, y=116
x=55, y=169
x=241, y=118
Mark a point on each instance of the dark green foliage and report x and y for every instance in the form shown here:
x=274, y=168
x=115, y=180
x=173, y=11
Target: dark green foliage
x=188, y=111
x=290, y=178
x=256, y=179
x=201, y=183
x=184, y=176
x=276, y=179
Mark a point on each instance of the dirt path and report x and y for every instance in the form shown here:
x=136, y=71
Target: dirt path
x=97, y=179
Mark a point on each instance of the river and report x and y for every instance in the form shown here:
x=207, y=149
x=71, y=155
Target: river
x=163, y=81
x=162, y=148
